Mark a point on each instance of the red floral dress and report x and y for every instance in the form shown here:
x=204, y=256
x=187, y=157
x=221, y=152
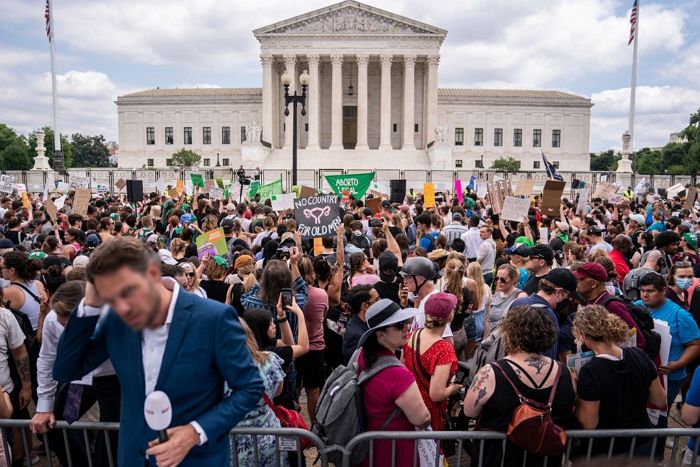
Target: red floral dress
x=440, y=353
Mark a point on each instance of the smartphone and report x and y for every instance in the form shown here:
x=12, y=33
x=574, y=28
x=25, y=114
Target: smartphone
x=286, y=294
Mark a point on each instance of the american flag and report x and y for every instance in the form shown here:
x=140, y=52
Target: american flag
x=47, y=15
x=633, y=21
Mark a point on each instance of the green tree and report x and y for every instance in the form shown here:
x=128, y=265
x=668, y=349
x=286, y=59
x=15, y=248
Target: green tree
x=89, y=151
x=648, y=162
x=605, y=161
x=673, y=154
x=66, y=147
x=184, y=159
x=16, y=156
x=506, y=164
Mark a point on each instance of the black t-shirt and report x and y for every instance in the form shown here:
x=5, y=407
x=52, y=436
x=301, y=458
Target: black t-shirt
x=532, y=284
x=387, y=290
x=216, y=290
x=510, y=239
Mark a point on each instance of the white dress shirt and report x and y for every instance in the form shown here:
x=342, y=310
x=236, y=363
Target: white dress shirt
x=153, y=343
x=46, y=390
x=472, y=242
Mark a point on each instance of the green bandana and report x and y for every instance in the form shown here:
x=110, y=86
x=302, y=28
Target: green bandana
x=220, y=261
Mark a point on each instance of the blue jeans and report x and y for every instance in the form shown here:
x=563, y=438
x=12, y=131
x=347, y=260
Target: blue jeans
x=674, y=387
x=488, y=278
x=474, y=325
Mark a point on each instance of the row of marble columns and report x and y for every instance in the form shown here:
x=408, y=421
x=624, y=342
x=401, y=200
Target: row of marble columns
x=362, y=60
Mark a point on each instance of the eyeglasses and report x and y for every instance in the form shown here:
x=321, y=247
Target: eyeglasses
x=401, y=324
x=190, y=274
x=502, y=279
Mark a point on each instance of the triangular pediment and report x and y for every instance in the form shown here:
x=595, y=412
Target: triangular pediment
x=350, y=17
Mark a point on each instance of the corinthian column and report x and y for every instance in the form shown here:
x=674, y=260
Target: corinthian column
x=431, y=98
x=290, y=67
x=362, y=62
x=268, y=104
x=409, y=80
x=385, y=104
x=313, y=102
x=337, y=102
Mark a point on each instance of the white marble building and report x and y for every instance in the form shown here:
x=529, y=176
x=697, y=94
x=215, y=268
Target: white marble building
x=373, y=102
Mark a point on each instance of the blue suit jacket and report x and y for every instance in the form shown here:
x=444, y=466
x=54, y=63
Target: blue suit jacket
x=206, y=347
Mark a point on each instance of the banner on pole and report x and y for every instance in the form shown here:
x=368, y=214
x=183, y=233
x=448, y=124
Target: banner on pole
x=355, y=184
x=272, y=188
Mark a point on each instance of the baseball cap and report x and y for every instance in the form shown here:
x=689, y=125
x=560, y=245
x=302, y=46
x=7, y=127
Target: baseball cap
x=691, y=240
x=287, y=237
x=383, y=313
x=562, y=277
x=6, y=243
x=186, y=218
x=456, y=217
x=520, y=250
x=539, y=251
x=440, y=305
x=388, y=267
x=93, y=240
x=591, y=270
x=243, y=261
x=639, y=219
x=230, y=207
x=593, y=230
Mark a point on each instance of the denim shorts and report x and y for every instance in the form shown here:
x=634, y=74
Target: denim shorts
x=474, y=325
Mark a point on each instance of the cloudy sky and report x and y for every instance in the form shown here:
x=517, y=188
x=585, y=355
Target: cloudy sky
x=109, y=47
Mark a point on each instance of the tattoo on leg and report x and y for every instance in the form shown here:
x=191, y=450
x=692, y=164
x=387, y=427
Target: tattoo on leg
x=536, y=364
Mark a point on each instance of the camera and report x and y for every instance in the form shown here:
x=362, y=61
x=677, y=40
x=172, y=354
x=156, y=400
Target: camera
x=284, y=252
x=376, y=222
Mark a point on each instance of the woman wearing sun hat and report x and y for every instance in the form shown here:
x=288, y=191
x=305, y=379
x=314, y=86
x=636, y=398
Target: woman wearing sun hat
x=392, y=388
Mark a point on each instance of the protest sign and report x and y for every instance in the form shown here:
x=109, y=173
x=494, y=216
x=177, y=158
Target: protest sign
x=160, y=185
x=216, y=193
x=79, y=182
x=120, y=184
x=524, y=187
x=51, y=210
x=219, y=182
x=551, y=197
x=459, y=192
x=398, y=190
x=197, y=180
x=21, y=188
x=173, y=193
x=306, y=191
x=355, y=184
x=179, y=186
x=269, y=189
x=254, y=187
x=282, y=201
x=514, y=208
x=641, y=187
x=690, y=197
x=428, y=195
x=102, y=189
x=374, y=204
x=615, y=198
x=583, y=195
x=498, y=190
x=212, y=242
x=318, y=246
x=603, y=190
x=81, y=201
x=59, y=202
x=675, y=190
x=25, y=200
x=379, y=189
x=7, y=184
x=317, y=216
x=63, y=187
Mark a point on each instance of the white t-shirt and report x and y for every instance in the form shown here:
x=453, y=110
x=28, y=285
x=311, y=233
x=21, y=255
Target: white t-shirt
x=11, y=337
x=419, y=320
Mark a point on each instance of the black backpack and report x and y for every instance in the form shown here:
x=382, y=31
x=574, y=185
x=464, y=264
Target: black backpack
x=645, y=322
x=361, y=242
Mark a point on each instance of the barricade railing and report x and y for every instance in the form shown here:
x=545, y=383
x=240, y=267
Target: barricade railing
x=259, y=444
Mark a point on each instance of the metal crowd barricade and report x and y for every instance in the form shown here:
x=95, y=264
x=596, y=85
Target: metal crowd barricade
x=287, y=441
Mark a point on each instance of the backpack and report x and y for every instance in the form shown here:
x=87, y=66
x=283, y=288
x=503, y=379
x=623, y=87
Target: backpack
x=531, y=427
x=431, y=236
x=642, y=318
x=411, y=234
x=340, y=415
x=491, y=348
x=361, y=242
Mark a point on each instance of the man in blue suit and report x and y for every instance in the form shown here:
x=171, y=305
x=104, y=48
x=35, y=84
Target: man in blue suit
x=160, y=337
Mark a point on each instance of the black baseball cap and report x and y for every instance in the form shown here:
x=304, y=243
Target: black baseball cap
x=539, y=251
x=564, y=278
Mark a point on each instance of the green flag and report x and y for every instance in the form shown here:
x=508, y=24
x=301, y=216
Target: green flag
x=254, y=187
x=355, y=184
x=272, y=188
x=197, y=180
x=220, y=182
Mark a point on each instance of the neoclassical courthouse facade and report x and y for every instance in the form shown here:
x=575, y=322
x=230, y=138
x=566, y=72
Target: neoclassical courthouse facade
x=373, y=101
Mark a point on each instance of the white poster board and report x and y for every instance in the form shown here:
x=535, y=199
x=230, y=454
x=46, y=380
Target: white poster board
x=674, y=190
x=62, y=187
x=7, y=184
x=282, y=201
x=79, y=182
x=216, y=193
x=514, y=208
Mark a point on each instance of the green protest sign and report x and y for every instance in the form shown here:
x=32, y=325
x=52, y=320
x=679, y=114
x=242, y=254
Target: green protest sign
x=272, y=188
x=220, y=182
x=254, y=187
x=355, y=184
x=197, y=180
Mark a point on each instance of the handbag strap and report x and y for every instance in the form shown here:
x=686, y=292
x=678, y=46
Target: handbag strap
x=416, y=357
x=520, y=395
x=26, y=289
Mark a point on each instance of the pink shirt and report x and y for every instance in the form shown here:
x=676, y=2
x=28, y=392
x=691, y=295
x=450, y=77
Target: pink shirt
x=314, y=313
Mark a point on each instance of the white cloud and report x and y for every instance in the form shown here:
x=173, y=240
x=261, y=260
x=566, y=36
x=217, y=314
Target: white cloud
x=660, y=111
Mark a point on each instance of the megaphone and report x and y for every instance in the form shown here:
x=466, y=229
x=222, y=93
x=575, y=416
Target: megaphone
x=158, y=413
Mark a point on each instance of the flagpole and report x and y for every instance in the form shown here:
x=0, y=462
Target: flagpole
x=633, y=82
x=58, y=156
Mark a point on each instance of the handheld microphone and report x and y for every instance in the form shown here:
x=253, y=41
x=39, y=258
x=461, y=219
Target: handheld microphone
x=158, y=413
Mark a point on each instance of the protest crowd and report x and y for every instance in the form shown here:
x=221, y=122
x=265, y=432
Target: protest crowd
x=456, y=310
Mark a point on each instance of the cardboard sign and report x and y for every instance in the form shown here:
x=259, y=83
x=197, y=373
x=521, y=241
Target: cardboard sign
x=603, y=190
x=551, y=197
x=675, y=190
x=216, y=193
x=459, y=192
x=615, y=198
x=690, y=198
x=62, y=187
x=120, y=184
x=428, y=195
x=306, y=192
x=81, y=201
x=497, y=193
x=197, y=180
x=317, y=216
x=524, y=187
x=51, y=210
x=282, y=201
x=7, y=184
x=25, y=200
x=79, y=182
x=212, y=242
x=375, y=204
x=179, y=186
x=514, y=208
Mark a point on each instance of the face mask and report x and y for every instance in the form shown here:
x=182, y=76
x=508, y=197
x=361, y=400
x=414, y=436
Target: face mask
x=683, y=284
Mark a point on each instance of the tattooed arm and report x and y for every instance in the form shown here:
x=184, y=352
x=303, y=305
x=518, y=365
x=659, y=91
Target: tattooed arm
x=479, y=392
x=21, y=358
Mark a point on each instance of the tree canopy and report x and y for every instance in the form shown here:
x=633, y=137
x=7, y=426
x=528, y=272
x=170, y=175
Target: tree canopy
x=185, y=158
x=506, y=164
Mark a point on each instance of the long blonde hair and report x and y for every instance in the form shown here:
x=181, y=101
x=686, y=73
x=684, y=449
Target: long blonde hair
x=246, y=273
x=475, y=273
x=453, y=280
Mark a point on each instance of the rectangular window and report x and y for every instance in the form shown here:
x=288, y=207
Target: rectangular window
x=478, y=136
x=555, y=164
x=168, y=162
x=517, y=137
x=536, y=138
x=556, y=138
x=535, y=164
x=396, y=127
x=224, y=161
x=205, y=162
x=188, y=135
x=169, y=137
x=242, y=134
x=226, y=135
x=150, y=135
x=306, y=127
x=206, y=135
x=479, y=164
x=415, y=128
x=498, y=136
x=459, y=136
x=149, y=162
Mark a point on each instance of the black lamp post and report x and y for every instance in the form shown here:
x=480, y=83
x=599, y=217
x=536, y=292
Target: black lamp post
x=294, y=100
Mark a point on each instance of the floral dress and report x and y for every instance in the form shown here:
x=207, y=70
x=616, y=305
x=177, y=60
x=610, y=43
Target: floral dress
x=262, y=417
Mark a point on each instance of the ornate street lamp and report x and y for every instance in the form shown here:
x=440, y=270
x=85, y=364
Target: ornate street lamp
x=294, y=100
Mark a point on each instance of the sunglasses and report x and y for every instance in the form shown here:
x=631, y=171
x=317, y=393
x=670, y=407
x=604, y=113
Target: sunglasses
x=502, y=279
x=190, y=274
x=401, y=324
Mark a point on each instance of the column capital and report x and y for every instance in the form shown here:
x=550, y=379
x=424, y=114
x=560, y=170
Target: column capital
x=433, y=60
x=290, y=60
x=362, y=59
x=313, y=59
x=386, y=59
x=409, y=60
x=337, y=59
x=266, y=59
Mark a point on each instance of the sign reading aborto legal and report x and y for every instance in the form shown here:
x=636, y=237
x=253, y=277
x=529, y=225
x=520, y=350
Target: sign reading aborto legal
x=355, y=184
x=317, y=216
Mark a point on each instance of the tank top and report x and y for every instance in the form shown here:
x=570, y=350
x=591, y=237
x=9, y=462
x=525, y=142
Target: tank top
x=30, y=307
